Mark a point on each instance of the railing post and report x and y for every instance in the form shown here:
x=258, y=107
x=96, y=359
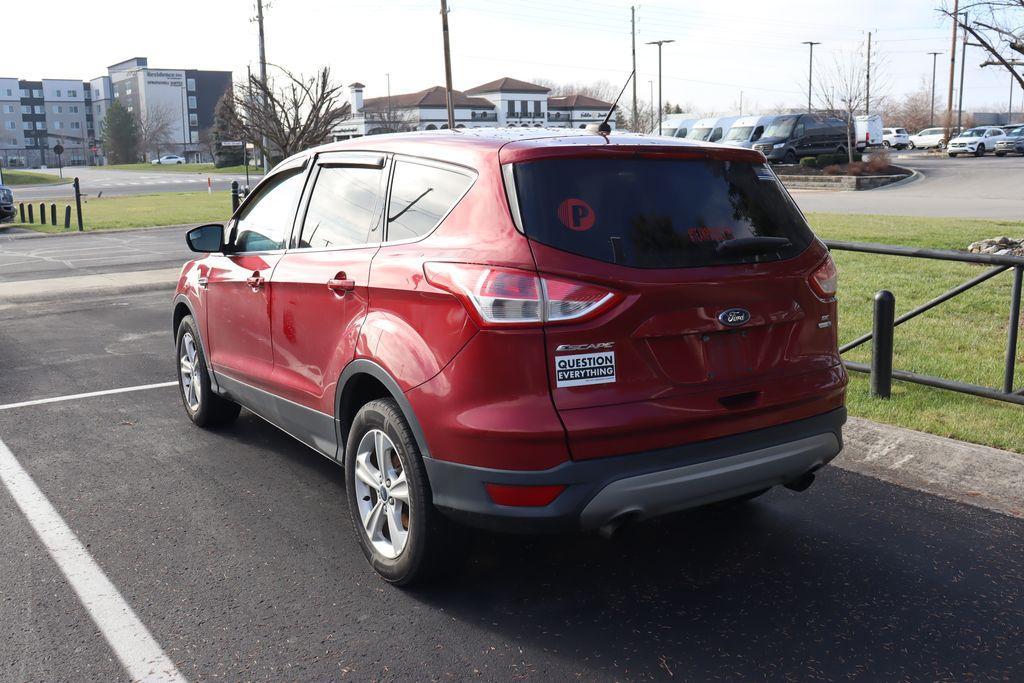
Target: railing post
x=1011, y=338
x=881, y=344
x=234, y=195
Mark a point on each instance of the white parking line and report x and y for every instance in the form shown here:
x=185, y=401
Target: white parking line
x=131, y=641
x=72, y=397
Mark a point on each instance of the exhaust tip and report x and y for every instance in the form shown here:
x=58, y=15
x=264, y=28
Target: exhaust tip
x=609, y=528
x=801, y=483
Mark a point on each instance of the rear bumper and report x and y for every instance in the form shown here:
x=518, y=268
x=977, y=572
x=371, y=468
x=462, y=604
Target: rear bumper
x=642, y=485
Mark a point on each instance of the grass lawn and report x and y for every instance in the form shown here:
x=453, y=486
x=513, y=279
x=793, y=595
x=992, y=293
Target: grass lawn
x=138, y=211
x=14, y=178
x=962, y=339
x=183, y=168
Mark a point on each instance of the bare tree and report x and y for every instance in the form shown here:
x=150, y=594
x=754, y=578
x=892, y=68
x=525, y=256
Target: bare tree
x=298, y=114
x=913, y=111
x=998, y=26
x=843, y=89
x=155, y=127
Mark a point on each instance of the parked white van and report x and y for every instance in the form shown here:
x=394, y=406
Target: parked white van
x=677, y=125
x=868, y=131
x=711, y=130
x=747, y=130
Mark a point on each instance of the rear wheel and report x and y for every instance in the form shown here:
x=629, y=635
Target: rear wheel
x=941, y=144
x=404, y=538
x=1000, y=154
x=952, y=155
x=204, y=407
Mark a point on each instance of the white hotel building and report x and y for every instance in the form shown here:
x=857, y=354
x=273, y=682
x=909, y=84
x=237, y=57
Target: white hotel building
x=506, y=102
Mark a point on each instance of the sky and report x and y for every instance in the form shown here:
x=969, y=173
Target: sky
x=722, y=48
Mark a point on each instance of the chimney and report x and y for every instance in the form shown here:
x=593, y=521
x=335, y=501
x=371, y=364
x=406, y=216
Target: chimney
x=355, y=97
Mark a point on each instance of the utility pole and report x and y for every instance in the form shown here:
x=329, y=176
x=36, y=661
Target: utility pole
x=659, y=43
x=263, y=78
x=651, y=83
x=935, y=55
x=810, y=70
x=390, y=117
x=867, y=87
x=952, y=73
x=632, y=24
x=447, y=66
x=963, y=63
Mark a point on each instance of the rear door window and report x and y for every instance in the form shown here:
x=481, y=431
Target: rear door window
x=343, y=208
x=657, y=213
x=422, y=195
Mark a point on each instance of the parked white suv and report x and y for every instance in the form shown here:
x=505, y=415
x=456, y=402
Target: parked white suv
x=976, y=141
x=895, y=137
x=931, y=137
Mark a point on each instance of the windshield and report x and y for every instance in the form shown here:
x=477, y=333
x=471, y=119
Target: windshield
x=1016, y=132
x=781, y=128
x=931, y=131
x=973, y=133
x=657, y=213
x=740, y=134
x=699, y=134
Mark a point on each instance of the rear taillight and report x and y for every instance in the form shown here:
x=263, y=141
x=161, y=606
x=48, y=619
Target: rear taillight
x=506, y=297
x=824, y=281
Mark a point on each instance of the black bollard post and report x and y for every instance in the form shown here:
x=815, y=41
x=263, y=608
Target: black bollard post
x=67, y=216
x=53, y=214
x=78, y=202
x=21, y=210
x=31, y=218
x=881, y=344
x=42, y=213
x=234, y=196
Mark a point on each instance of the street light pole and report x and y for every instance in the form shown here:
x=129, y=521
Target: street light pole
x=651, y=83
x=960, y=102
x=263, y=78
x=810, y=70
x=659, y=43
x=952, y=73
x=931, y=121
x=447, y=66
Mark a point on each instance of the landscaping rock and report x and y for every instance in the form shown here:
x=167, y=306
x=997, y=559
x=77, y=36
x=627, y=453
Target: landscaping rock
x=998, y=245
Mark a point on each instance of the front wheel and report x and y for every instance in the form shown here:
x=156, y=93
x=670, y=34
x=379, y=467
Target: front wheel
x=941, y=144
x=404, y=538
x=204, y=408
x=980, y=152
x=952, y=155
x=1000, y=154
x=886, y=144
x=789, y=157
x=911, y=145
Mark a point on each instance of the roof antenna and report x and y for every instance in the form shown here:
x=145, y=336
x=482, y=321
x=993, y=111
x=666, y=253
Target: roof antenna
x=604, y=128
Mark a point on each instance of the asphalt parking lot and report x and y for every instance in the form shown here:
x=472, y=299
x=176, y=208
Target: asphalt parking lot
x=234, y=548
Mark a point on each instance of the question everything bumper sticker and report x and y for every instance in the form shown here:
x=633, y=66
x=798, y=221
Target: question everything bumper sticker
x=584, y=368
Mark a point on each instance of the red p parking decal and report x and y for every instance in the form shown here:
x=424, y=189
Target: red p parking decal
x=576, y=214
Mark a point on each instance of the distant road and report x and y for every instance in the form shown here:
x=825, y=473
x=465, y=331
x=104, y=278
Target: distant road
x=96, y=179
x=964, y=187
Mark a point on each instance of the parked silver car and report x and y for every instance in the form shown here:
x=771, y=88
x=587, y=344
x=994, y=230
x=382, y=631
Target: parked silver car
x=1013, y=144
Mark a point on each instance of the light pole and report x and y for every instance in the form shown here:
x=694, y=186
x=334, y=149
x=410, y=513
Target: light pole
x=931, y=121
x=651, y=83
x=659, y=43
x=810, y=70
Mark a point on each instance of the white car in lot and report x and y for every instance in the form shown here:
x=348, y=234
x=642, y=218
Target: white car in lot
x=976, y=141
x=168, y=159
x=931, y=137
x=895, y=137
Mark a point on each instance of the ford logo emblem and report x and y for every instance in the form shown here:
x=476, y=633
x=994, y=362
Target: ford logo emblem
x=734, y=317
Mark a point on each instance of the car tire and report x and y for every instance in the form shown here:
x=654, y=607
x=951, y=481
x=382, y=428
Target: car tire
x=941, y=144
x=204, y=408
x=409, y=541
x=952, y=155
x=1000, y=154
x=980, y=151
x=789, y=157
x=911, y=145
x=886, y=144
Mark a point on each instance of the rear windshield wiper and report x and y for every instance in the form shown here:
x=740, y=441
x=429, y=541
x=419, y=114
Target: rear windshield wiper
x=752, y=245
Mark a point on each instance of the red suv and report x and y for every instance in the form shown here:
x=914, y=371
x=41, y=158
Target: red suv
x=520, y=330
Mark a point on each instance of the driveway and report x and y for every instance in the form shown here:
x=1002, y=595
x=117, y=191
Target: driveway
x=964, y=187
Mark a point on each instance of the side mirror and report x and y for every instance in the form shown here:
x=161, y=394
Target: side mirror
x=206, y=239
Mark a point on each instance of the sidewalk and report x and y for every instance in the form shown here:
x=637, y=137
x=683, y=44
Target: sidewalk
x=103, y=284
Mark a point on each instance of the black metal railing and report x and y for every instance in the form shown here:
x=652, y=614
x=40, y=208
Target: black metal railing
x=885, y=322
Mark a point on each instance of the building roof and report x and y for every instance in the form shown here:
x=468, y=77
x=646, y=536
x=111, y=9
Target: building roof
x=507, y=84
x=577, y=102
x=431, y=97
x=357, y=84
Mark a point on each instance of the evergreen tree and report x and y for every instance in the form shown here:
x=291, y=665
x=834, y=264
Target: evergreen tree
x=226, y=127
x=120, y=135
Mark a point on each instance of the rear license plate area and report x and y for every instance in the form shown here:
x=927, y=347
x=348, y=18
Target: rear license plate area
x=728, y=355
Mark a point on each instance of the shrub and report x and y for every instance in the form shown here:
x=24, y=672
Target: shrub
x=879, y=162
x=833, y=170
x=809, y=162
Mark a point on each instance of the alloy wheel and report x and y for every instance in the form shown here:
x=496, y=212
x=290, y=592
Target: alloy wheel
x=191, y=387
x=382, y=494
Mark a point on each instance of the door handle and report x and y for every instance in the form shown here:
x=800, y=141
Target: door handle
x=203, y=282
x=255, y=281
x=340, y=283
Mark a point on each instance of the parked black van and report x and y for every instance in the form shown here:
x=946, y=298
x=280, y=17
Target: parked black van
x=792, y=136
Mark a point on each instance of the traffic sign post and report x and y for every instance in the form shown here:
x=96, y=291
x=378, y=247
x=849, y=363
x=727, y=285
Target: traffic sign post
x=58, y=149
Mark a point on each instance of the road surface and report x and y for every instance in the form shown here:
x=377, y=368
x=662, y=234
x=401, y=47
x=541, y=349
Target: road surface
x=96, y=179
x=234, y=548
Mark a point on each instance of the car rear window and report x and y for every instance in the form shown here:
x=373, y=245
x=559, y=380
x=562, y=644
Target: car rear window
x=657, y=213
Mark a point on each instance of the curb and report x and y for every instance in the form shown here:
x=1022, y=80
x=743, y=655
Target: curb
x=104, y=284
x=33, y=234
x=968, y=473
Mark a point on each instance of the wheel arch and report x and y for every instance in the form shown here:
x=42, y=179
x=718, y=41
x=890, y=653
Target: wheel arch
x=362, y=381
x=183, y=307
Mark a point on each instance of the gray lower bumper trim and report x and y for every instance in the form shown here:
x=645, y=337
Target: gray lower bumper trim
x=658, y=493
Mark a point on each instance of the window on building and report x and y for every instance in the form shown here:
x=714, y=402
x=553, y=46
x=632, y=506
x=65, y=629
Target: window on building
x=73, y=109
x=76, y=125
x=193, y=120
x=266, y=221
x=57, y=125
x=58, y=92
x=95, y=92
x=524, y=107
x=25, y=109
x=10, y=125
x=39, y=109
x=511, y=108
x=58, y=109
x=72, y=93
x=9, y=92
x=191, y=101
x=190, y=83
x=24, y=92
x=536, y=108
x=40, y=125
x=128, y=91
x=26, y=125
x=420, y=197
x=37, y=92
x=8, y=108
